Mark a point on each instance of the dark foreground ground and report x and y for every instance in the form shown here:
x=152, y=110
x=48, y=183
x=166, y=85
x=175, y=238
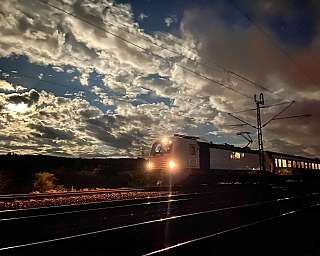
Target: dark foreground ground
x=235, y=219
x=297, y=234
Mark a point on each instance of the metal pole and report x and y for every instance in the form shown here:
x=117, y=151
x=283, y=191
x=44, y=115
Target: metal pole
x=259, y=102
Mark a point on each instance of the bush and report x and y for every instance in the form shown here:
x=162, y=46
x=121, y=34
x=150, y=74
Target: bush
x=44, y=181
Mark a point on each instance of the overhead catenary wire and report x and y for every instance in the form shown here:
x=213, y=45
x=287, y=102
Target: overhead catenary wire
x=278, y=114
x=219, y=66
x=18, y=73
x=146, y=51
x=266, y=106
x=289, y=117
x=275, y=44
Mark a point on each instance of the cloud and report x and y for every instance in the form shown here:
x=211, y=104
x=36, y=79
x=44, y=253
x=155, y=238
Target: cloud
x=143, y=16
x=5, y=86
x=245, y=50
x=141, y=96
x=169, y=20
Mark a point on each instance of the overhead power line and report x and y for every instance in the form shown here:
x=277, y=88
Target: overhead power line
x=32, y=77
x=295, y=116
x=218, y=66
x=278, y=114
x=266, y=106
x=276, y=44
x=260, y=104
x=146, y=51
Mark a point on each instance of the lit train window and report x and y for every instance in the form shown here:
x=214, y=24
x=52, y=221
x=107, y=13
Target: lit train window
x=294, y=165
x=279, y=163
x=276, y=162
x=312, y=166
x=159, y=148
x=236, y=155
x=284, y=163
x=306, y=165
x=302, y=164
x=298, y=164
x=289, y=163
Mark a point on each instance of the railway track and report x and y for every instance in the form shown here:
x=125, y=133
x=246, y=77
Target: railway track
x=160, y=223
x=69, y=193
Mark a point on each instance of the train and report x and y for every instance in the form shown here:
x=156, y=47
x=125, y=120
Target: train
x=181, y=155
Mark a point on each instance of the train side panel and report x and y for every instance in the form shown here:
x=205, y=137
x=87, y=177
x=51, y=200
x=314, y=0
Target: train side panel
x=204, y=156
x=225, y=159
x=186, y=153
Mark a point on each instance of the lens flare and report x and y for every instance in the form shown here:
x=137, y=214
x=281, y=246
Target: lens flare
x=164, y=140
x=150, y=165
x=172, y=164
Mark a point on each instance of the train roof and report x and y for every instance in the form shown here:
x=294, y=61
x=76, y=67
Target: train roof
x=229, y=147
x=244, y=149
x=249, y=150
x=186, y=136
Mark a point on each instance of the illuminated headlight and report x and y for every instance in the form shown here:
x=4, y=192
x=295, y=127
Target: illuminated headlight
x=172, y=164
x=149, y=165
x=164, y=140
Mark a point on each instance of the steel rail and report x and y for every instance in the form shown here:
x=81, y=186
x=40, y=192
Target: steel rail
x=166, y=249
x=49, y=241
x=149, y=200
x=59, y=194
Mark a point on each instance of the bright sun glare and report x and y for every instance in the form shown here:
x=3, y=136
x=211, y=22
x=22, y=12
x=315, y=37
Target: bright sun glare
x=20, y=107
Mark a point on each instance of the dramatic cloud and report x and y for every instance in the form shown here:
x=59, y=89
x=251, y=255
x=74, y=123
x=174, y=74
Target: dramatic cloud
x=242, y=48
x=115, y=88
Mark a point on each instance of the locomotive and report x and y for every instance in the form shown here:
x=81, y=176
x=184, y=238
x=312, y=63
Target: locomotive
x=182, y=155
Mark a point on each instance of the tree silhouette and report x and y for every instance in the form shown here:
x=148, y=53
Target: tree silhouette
x=44, y=181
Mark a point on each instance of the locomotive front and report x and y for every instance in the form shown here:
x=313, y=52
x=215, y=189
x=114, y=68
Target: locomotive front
x=162, y=156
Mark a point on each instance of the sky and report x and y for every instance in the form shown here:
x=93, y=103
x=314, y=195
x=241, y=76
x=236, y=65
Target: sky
x=105, y=78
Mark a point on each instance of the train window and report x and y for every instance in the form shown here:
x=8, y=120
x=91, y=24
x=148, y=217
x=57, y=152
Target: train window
x=312, y=166
x=294, y=164
x=279, y=163
x=306, y=165
x=289, y=163
x=284, y=163
x=276, y=162
x=236, y=155
x=298, y=164
x=159, y=148
x=302, y=164
x=192, y=150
